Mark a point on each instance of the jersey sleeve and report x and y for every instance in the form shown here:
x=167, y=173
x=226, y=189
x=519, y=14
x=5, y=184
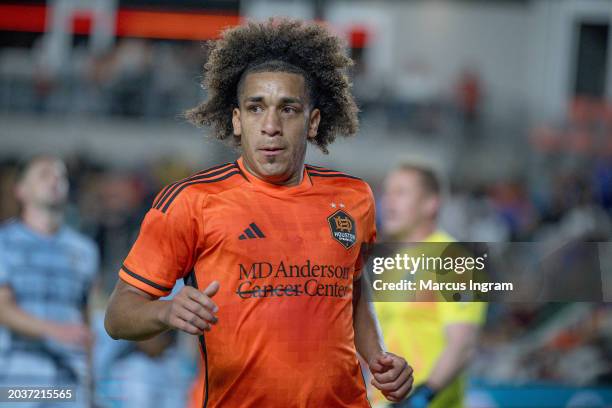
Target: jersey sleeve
x=369, y=236
x=164, y=250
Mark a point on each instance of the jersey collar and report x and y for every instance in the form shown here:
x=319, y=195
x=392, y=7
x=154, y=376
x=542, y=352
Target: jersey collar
x=258, y=183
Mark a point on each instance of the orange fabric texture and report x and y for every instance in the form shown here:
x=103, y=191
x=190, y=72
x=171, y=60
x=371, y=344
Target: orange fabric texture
x=286, y=259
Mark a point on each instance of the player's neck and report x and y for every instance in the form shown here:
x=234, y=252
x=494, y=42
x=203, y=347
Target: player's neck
x=45, y=221
x=293, y=180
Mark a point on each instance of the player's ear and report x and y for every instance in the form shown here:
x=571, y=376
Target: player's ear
x=313, y=123
x=236, y=122
x=432, y=206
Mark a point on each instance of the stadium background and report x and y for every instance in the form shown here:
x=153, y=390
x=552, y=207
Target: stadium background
x=509, y=100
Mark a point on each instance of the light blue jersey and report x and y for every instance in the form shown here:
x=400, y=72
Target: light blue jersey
x=50, y=277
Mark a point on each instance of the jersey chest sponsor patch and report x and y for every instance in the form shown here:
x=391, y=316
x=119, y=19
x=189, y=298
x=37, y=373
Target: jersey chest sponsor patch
x=342, y=228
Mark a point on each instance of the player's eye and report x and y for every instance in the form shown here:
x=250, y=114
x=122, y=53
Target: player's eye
x=254, y=109
x=289, y=109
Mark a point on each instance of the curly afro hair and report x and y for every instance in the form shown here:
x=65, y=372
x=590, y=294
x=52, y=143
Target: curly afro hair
x=283, y=45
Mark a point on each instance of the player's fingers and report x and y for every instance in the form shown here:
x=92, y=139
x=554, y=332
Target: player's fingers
x=375, y=383
x=199, y=310
x=390, y=375
x=385, y=359
x=386, y=377
x=212, y=289
x=377, y=367
x=382, y=386
x=182, y=325
x=395, y=383
x=203, y=299
x=192, y=319
x=381, y=363
x=392, y=399
x=401, y=391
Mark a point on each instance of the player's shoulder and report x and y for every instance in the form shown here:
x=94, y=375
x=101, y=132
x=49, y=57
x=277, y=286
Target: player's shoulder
x=327, y=176
x=13, y=230
x=7, y=225
x=440, y=236
x=8, y=228
x=194, y=188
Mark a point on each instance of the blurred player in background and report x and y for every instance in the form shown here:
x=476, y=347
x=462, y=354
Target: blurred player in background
x=271, y=248
x=438, y=338
x=46, y=273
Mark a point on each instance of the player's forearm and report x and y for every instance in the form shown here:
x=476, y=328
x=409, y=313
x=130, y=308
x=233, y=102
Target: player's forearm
x=452, y=361
x=368, y=338
x=130, y=316
x=17, y=320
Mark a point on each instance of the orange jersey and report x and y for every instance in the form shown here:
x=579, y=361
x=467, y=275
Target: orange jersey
x=286, y=259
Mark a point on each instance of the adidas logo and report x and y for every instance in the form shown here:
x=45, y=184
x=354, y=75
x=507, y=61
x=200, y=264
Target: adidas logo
x=252, y=232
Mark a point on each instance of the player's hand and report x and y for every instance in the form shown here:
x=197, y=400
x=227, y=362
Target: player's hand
x=191, y=310
x=72, y=334
x=391, y=375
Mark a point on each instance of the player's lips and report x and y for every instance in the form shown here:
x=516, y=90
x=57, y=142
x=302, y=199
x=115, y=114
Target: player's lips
x=271, y=151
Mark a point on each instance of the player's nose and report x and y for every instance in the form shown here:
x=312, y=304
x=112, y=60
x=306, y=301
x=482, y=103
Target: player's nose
x=271, y=124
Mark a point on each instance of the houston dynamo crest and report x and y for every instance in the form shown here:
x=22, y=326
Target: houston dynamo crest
x=342, y=227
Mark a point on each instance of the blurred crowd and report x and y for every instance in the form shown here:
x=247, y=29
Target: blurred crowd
x=555, y=343
x=136, y=78
x=154, y=78
x=563, y=196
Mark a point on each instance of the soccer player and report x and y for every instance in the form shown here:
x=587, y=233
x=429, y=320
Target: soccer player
x=46, y=273
x=438, y=338
x=270, y=248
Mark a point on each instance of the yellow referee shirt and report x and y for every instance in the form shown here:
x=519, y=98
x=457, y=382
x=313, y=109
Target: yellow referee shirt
x=416, y=331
